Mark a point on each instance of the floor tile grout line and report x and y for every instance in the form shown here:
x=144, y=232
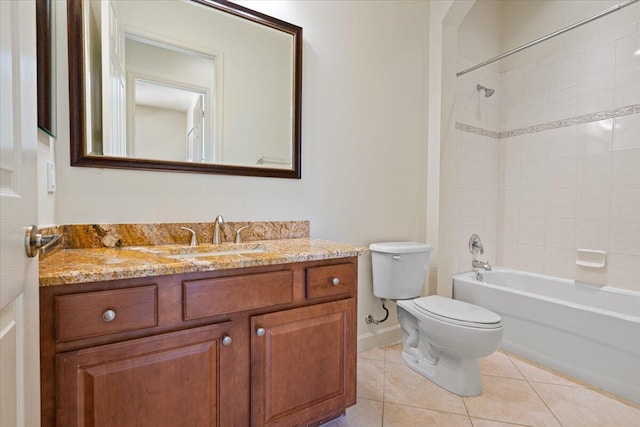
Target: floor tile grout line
x=387, y=363
x=411, y=406
x=504, y=376
x=533, y=388
x=467, y=410
x=544, y=403
x=428, y=409
x=567, y=378
x=574, y=383
x=384, y=385
x=504, y=422
x=514, y=365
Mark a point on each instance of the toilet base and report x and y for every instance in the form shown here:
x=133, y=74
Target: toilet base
x=461, y=377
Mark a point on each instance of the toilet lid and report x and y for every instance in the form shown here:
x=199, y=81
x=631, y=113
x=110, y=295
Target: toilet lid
x=458, y=312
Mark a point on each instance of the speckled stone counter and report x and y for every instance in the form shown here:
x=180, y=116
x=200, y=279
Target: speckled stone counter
x=70, y=266
x=81, y=236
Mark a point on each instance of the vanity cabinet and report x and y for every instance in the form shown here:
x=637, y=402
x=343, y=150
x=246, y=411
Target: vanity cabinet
x=258, y=346
x=301, y=363
x=179, y=378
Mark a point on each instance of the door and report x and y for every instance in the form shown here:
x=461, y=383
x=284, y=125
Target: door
x=303, y=364
x=114, y=129
x=19, y=354
x=179, y=379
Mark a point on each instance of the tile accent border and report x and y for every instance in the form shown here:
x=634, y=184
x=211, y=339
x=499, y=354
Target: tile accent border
x=576, y=120
x=480, y=131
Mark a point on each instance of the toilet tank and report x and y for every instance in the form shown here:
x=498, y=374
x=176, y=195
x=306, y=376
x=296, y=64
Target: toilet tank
x=399, y=268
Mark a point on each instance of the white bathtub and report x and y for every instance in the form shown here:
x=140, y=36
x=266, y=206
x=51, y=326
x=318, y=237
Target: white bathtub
x=588, y=332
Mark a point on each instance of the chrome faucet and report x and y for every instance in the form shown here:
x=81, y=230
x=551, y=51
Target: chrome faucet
x=194, y=237
x=216, y=230
x=481, y=264
x=238, y=235
x=475, y=245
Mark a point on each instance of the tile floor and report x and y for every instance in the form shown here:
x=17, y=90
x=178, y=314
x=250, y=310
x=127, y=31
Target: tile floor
x=515, y=392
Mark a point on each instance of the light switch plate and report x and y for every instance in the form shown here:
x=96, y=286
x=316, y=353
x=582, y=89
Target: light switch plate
x=51, y=177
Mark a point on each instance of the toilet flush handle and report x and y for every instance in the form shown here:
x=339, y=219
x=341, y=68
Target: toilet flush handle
x=396, y=257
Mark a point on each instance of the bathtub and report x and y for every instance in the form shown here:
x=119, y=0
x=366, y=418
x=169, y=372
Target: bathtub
x=591, y=333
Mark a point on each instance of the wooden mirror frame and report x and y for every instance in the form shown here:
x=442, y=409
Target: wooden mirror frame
x=77, y=102
x=46, y=70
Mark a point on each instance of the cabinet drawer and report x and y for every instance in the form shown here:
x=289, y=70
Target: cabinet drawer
x=81, y=315
x=321, y=281
x=211, y=297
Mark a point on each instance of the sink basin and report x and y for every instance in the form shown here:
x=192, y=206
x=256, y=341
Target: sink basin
x=214, y=251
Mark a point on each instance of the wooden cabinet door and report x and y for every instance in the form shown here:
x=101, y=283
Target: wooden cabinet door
x=303, y=365
x=175, y=379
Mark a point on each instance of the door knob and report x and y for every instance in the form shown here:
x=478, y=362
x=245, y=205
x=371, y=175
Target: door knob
x=34, y=241
x=227, y=340
x=260, y=332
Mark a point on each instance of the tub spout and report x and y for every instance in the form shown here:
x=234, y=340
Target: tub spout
x=481, y=264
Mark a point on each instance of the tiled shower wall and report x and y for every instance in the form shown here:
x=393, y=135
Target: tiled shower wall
x=477, y=167
x=568, y=132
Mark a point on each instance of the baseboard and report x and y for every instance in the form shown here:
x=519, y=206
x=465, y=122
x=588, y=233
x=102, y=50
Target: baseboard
x=384, y=336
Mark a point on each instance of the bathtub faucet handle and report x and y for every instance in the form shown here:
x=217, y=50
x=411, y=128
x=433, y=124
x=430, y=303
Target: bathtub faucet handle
x=475, y=244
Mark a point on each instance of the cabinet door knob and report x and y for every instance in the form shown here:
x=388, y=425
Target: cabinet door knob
x=227, y=340
x=260, y=332
x=108, y=315
x=335, y=281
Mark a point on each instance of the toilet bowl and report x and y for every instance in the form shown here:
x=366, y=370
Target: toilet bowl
x=443, y=339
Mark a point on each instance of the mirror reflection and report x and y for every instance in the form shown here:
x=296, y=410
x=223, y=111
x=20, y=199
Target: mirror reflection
x=180, y=81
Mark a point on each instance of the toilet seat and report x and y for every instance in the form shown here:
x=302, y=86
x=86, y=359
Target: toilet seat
x=458, y=312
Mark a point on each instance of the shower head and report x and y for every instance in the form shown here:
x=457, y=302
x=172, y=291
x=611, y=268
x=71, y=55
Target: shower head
x=487, y=92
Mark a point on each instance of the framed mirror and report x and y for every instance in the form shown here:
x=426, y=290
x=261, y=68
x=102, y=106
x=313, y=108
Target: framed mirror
x=202, y=86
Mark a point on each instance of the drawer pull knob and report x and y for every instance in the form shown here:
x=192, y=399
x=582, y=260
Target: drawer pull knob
x=260, y=332
x=108, y=315
x=227, y=340
x=335, y=281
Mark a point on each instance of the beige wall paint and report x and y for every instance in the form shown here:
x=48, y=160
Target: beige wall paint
x=46, y=200
x=364, y=143
x=480, y=33
x=445, y=17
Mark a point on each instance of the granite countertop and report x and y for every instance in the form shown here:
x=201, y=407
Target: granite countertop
x=71, y=266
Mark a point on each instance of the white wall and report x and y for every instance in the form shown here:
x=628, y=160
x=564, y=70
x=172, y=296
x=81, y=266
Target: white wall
x=46, y=200
x=444, y=20
x=180, y=69
x=480, y=33
x=363, y=150
x=160, y=133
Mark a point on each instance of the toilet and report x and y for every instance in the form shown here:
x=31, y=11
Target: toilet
x=443, y=339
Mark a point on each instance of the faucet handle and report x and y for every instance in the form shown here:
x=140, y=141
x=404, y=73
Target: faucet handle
x=475, y=245
x=238, y=235
x=194, y=237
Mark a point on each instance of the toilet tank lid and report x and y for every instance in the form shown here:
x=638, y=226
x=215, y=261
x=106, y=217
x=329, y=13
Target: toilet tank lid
x=400, y=247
